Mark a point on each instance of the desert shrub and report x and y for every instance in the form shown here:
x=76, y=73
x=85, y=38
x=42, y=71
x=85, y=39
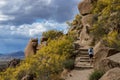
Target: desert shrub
x=69, y=64
x=46, y=64
x=96, y=75
x=52, y=34
x=113, y=39
x=107, y=25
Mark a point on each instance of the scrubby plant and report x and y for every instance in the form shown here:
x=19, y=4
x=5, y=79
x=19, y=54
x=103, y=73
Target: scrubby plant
x=46, y=64
x=96, y=75
x=52, y=34
x=108, y=23
x=69, y=64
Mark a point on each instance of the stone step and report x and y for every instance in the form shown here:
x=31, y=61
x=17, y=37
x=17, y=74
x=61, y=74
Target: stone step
x=82, y=67
x=83, y=55
x=82, y=64
x=84, y=60
x=83, y=49
x=83, y=52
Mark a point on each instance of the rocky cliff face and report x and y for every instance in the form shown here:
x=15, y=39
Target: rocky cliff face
x=31, y=47
x=113, y=74
x=87, y=19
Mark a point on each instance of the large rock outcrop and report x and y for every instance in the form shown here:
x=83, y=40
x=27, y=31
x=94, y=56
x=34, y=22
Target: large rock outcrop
x=29, y=77
x=85, y=7
x=87, y=20
x=13, y=63
x=103, y=53
x=113, y=74
x=99, y=45
x=31, y=48
x=85, y=38
x=109, y=63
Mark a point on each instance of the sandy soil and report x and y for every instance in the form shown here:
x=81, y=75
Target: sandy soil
x=79, y=74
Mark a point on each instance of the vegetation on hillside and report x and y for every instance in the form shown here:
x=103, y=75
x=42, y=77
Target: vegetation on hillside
x=50, y=60
x=107, y=27
x=96, y=75
x=47, y=63
x=52, y=34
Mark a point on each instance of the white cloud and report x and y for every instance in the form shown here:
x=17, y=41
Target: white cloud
x=17, y=20
x=2, y=3
x=33, y=30
x=5, y=17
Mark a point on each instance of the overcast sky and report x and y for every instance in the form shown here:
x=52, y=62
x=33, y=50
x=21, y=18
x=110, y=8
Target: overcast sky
x=21, y=20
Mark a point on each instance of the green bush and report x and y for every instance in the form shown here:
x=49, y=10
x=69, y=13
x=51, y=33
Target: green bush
x=69, y=64
x=47, y=62
x=52, y=34
x=96, y=75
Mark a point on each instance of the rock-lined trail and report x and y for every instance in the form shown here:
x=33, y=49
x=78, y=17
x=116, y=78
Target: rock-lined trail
x=79, y=74
x=82, y=65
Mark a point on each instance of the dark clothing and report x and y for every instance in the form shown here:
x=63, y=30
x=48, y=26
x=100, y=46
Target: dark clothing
x=91, y=55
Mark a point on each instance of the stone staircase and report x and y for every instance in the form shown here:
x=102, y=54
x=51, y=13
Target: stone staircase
x=82, y=68
x=82, y=59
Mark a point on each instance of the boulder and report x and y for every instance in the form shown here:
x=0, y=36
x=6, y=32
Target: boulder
x=113, y=74
x=85, y=38
x=88, y=20
x=65, y=73
x=110, y=62
x=85, y=7
x=115, y=57
x=99, y=45
x=107, y=64
x=103, y=53
x=31, y=48
x=29, y=77
x=14, y=63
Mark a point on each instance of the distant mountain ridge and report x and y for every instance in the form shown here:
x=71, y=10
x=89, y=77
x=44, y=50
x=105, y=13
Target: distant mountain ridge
x=18, y=54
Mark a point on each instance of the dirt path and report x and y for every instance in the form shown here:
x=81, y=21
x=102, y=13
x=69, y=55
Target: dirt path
x=79, y=74
x=82, y=66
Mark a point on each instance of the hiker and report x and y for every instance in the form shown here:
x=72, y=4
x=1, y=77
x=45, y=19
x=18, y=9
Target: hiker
x=91, y=53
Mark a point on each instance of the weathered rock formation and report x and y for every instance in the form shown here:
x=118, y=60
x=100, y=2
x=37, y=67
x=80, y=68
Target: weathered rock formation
x=88, y=20
x=85, y=8
x=64, y=74
x=109, y=63
x=85, y=38
x=113, y=74
x=103, y=53
x=29, y=77
x=31, y=48
x=99, y=45
x=13, y=63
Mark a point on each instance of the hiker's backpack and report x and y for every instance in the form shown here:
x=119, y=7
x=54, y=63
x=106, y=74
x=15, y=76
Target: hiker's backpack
x=91, y=50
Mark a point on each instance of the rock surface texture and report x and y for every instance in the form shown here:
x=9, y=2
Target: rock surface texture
x=31, y=48
x=113, y=74
x=13, y=63
x=109, y=63
x=101, y=54
x=85, y=7
x=82, y=68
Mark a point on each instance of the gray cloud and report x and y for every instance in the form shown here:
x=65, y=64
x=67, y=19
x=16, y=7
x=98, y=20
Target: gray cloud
x=22, y=19
x=27, y=11
x=15, y=38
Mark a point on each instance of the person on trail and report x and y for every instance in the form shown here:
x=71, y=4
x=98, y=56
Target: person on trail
x=91, y=53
